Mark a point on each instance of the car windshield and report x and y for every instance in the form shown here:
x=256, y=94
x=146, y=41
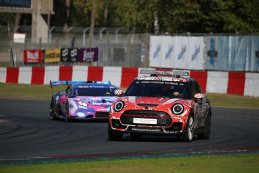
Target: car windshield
x=151, y=88
x=94, y=91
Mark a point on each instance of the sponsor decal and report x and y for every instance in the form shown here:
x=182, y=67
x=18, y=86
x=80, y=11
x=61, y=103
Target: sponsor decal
x=157, y=51
x=33, y=56
x=169, y=52
x=52, y=56
x=101, y=104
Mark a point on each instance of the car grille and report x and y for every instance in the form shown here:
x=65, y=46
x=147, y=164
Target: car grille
x=163, y=119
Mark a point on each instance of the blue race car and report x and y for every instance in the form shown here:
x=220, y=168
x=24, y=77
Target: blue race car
x=82, y=100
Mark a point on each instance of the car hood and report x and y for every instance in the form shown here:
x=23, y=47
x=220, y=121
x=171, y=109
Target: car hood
x=150, y=100
x=95, y=100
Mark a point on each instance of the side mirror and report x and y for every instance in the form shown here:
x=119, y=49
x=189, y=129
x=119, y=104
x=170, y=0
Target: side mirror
x=119, y=93
x=198, y=98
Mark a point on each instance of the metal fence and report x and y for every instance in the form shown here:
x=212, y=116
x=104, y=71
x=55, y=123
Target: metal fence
x=120, y=48
x=116, y=48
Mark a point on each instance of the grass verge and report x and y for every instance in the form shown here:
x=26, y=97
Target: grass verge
x=44, y=92
x=23, y=91
x=238, y=163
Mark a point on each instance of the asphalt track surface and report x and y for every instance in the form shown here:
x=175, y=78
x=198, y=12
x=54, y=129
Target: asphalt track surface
x=27, y=133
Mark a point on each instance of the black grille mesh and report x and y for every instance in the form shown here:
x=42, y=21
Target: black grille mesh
x=163, y=119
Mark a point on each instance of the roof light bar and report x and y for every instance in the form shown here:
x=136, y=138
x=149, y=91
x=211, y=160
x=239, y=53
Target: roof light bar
x=165, y=73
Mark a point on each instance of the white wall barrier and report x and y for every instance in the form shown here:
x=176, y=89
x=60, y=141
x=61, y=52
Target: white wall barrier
x=240, y=83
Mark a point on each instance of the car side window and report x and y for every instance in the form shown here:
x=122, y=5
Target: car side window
x=192, y=90
x=68, y=90
x=195, y=88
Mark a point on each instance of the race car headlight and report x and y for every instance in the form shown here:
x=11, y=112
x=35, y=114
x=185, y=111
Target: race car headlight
x=118, y=106
x=177, y=109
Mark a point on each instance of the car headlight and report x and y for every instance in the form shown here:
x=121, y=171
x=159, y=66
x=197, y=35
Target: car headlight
x=118, y=106
x=177, y=109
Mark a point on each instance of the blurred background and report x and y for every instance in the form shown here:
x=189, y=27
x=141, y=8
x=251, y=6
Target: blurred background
x=133, y=32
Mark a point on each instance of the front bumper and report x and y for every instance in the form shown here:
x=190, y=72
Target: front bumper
x=174, y=128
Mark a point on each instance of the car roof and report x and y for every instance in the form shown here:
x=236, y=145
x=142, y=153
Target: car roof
x=164, y=78
x=164, y=75
x=94, y=85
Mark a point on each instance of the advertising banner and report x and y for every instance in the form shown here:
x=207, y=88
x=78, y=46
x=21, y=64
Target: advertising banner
x=19, y=37
x=232, y=52
x=180, y=52
x=69, y=54
x=52, y=56
x=88, y=54
x=32, y=56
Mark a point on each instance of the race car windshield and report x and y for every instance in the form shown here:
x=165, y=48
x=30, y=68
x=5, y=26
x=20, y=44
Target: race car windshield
x=94, y=91
x=158, y=89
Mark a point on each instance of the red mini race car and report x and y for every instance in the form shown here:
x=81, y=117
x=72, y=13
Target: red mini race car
x=167, y=102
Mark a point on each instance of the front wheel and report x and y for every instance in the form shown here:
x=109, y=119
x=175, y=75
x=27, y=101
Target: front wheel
x=188, y=136
x=66, y=118
x=51, y=112
x=114, y=135
x=66, y=113
x=206, y=133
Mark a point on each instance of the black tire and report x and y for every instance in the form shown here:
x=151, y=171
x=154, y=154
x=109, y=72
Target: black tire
x=52, y=115
x=114, y=135
x=188, y=136
x=136, y=136
x=66, y=113
x=66, y=118
x=207, y=129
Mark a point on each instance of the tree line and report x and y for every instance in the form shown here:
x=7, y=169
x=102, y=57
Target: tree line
x=155, y=16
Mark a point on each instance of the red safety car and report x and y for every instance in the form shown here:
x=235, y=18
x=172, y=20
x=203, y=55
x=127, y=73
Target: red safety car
x=166, y=102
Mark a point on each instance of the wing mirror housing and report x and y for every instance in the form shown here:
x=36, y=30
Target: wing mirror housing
x=119, y=93
x=198, y=98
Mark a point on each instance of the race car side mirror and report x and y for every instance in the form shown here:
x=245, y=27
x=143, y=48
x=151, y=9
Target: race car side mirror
x=198, y=98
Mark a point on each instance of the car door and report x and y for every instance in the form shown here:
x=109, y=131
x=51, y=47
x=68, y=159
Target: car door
x=203, y=105
x=198, y=104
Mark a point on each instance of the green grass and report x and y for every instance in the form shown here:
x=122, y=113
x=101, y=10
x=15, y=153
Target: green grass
x=35, y=92
x=240, y=163
x=225, y=100
x=4, y=64
x=44, y=92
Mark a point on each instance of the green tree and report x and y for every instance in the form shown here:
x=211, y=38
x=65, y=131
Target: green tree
x=230, y=16
x=179, y=16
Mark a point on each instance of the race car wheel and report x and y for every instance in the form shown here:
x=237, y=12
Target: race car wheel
x=114, y=135
x=51, y=112
x=135, y=136
x=188, y=136
x=66, y=118
x=66, y=114
x=206, y=133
